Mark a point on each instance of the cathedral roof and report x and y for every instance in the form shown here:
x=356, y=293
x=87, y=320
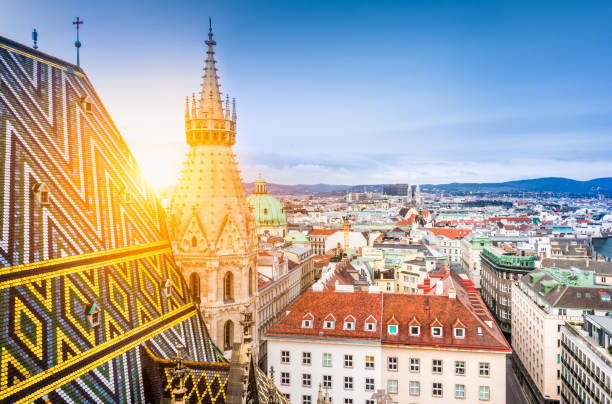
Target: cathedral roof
x=267, y=210
x=86, y=272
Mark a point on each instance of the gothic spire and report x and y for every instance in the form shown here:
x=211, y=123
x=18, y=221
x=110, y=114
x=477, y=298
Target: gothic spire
x=210, y=98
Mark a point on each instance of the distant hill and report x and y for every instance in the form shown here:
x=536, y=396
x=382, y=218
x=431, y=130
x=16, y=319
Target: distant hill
x=540, y=185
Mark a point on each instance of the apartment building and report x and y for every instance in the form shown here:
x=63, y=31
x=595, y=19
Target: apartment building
x=471, y=247
x=418, y=348
x=585, y=358
x=542, y=302
x=499, y=271
x=449, y=241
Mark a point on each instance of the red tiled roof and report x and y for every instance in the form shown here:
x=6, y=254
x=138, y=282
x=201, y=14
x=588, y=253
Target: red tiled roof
x=341, y=304
x=323, y=232
x=449, y=233
x=405, y=308
x=511, y=219
x=429, y=309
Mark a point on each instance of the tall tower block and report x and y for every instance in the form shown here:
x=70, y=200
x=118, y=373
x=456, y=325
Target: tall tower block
x=212, y=228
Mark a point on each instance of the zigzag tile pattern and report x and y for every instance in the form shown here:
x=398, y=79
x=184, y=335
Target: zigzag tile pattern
x=100, y=239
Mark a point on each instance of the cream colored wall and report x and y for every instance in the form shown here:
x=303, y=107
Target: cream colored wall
x=534, y=340
x=472, y=381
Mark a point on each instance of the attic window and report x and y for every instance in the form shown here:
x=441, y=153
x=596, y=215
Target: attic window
x=307, y=320
x=479, y=330
x=459, y=333
x=265, y=211
x=329, y=324
x=437, y=332
x=168, y=288
x=87, y=104
x=370, y=324
x=93, y=315
x=349, y=323
x=415, y=331
x=41, y=193
x=392, y=329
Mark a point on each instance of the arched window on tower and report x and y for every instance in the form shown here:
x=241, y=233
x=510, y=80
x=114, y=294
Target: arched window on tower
x=228, y=335
x=194, y=285
x=250, y=281
x=194, y=241
x=228, y=286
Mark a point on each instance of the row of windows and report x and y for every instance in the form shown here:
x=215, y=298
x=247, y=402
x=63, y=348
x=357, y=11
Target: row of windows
x=392, y=363
x=327, y=359
x=437, y=390
x=348, y=381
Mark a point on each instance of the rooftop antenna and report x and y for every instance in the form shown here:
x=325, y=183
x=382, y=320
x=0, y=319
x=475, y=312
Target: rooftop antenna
x=35, y=38
x=77, y=44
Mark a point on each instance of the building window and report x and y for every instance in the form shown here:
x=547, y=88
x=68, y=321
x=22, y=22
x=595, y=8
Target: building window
x=392, y=363
x=484, y=369
x=168, y=288
x=479, y=330
x=369, y=362
x=327, y=359
x=348, y=361
x=392, y=386
x=370, y=324
x=306, y=358
x=369, y=384
x=392, y=329
x=285, y=378
x=437, y=390
x=349, y=323
x=347, y=400
x=460, y=368
x=194, y=283
x=284, y=356
x=306, y=323
x=459, y=333
x=228, y=335
x=415, y=331
x=348, y=383
x=306, y=399
x=194, y=241
x=436, y=332
x=415, y=365
x=459, y=390
x=436, y=366
x=41, y=193
x=228, y=286
x=327, y=381
x=93, y=315
x=251, y=279
x=483, y=393
x=415, y=388
x=370, y=402
x=306, y=380
x=329, y=324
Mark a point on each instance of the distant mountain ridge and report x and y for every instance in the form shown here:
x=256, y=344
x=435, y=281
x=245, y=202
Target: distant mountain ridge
x=548, y=184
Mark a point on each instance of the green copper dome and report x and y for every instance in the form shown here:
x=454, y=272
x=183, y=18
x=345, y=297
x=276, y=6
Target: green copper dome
x=267, y=210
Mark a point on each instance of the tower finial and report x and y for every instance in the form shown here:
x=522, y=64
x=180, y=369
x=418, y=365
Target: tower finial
x=35, y=38
x=187, y=108
x=233, y=109
x=77, y=44
x=210, y=28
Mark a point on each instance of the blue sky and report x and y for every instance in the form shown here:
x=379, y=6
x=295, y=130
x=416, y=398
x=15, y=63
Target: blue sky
x=354, y=92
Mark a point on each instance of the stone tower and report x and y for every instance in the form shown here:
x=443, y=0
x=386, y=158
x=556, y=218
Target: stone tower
x=212, y=228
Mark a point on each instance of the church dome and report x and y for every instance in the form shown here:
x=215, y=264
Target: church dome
x=267, y=210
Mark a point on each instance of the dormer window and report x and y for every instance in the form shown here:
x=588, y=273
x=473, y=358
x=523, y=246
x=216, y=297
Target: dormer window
x=307, y=320
x=392, y=329
x=415, y=331
x=349, y=323
x=437, y=332
x=41, y=193
x=168, y=288
x=459, y=333
x=86, y=104
x=330, y=322
x=370, y=324
x=93, y=315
